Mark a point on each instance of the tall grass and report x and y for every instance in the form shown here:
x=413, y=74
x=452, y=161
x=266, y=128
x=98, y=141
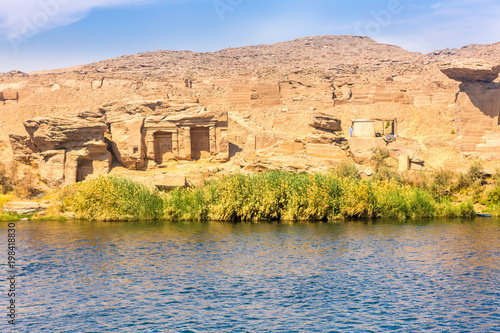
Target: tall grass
x=281, y=196
x=272, y=196
x=493, y=200
x=114, y=198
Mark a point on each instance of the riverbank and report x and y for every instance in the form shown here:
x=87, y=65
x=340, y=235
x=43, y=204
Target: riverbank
x=282, y=196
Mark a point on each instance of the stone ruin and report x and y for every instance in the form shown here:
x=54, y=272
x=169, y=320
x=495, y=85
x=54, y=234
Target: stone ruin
x=9, y=96
x=85, y=145
x=477, y=107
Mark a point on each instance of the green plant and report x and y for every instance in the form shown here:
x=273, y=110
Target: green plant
x=441, y=183
x=346, y=170
x=385, y=173
x=113, y=198
x=378, y=156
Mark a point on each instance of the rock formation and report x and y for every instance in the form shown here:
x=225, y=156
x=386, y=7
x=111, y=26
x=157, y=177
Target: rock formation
x=477, y=107
x=81, y=146
x=288, y=105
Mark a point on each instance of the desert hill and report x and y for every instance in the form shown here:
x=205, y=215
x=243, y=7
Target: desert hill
x=274, y=92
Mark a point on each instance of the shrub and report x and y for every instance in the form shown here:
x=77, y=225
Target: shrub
x=378, y=156
x=185, y=205
x=441, y=183
x=385, y=173
x=113, y=198
x=496, y=177
x=346, y=170
x=271, y=196
x=463, y=209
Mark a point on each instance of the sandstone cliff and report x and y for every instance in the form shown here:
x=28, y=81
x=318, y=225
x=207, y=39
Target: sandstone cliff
x=442, y=104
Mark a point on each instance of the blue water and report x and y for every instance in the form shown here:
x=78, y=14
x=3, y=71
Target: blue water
x=430, y=276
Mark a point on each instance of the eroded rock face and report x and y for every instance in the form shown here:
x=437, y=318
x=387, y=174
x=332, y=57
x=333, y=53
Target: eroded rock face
x=472, y=71
x=78, y=147
x=127, y=142
x=477, y=108
x=48, y=133
x=24, y=149
x=67, y=149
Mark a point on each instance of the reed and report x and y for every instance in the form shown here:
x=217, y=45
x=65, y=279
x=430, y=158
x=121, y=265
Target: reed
x=493, y=200
x=271, y=196
x=113, y=198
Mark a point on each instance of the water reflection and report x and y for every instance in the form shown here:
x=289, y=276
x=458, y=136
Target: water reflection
x=216, y=277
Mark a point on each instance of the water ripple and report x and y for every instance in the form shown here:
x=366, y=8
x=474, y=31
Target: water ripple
x=441, y=276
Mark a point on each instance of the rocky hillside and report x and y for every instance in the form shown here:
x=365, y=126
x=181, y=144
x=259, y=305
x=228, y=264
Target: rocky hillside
x=272, y=93
x=336, y=55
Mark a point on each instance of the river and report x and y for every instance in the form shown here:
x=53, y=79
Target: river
x=431, y=275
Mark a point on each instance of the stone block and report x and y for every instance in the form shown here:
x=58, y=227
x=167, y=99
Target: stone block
x=330, y=152
x=169, y=181
x=289, y=148
x=24, y=207
x=404, y=163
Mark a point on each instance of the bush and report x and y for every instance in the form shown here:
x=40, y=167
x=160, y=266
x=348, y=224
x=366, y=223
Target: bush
x=378, y=156
x=496, y=177
x=385, y=173
x=113, y=198
x=271, y=196
x=472, y=178
x=441, y=183
x=346, y=170
x=450, y=210
x=185, y=205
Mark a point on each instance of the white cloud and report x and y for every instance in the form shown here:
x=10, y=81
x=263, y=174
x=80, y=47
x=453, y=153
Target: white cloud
x=27, y=18
x=444, y=24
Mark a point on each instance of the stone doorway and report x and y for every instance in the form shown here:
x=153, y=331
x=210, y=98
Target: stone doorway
x=163, y=147
x=85, y=168
x=200, y=142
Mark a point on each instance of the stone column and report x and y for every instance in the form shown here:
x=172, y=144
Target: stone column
x=150, y=153
x=175, y=143
x=187, y=142
x=213, y=140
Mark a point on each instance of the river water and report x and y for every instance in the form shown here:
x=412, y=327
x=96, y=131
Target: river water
x=432, y=276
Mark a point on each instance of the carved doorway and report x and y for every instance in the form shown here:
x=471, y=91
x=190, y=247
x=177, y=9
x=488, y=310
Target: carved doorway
x=84, y=168
x=163, y=147
x=200, y=142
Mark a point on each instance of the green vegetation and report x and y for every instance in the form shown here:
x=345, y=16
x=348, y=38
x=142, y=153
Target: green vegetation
x=109, y=199
x=13, y=217
x=279, y=196
x=272, y=196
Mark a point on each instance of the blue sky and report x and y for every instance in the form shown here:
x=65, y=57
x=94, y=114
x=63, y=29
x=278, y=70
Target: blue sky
x=49, y=34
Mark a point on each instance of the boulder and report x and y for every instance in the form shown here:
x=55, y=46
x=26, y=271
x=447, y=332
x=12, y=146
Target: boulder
x=9, y=95
x=322, y=137
x=325, y=122
x=169, y=181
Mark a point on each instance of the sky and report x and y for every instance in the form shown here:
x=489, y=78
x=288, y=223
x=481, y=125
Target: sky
x=48, y=34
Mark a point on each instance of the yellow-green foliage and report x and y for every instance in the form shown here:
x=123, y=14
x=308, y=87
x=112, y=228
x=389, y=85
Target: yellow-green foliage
x=113, y=198
x=5, y=198
x=493, y=200
x=463, y=209
x=294, y=197
x=272, y=196
x=399, y=201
